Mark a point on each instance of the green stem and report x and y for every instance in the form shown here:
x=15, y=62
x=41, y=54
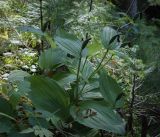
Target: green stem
x=7, y=116
x=78, y=71
x=100, y=66
x=41, y=18
x=105, y=63
x=104, y=56
x=82, y=88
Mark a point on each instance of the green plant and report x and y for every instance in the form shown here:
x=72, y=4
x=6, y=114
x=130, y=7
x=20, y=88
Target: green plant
x=78, y=93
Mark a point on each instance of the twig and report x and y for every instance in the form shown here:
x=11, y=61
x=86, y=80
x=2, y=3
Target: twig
x=41, y=17
x=130, y=120
x=90, y=6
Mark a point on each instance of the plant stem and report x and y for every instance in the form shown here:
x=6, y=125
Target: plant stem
x=78, y=71
x=104, y=63
x=7, y=116
x=130, y=120
x=41, y=14
x=90, y=6
x=104, y=56
x=98, y=68
x=41, y=18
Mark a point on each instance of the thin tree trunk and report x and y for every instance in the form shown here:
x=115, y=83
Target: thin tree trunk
x=41, y=18
x=133, y=8
x=144, y=126
x=130, y=119
x=90, y=6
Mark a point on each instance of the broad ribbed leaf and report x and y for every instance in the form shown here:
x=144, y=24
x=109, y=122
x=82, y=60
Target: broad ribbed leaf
x=91, y=90
x=106, y=36
x=14, y=99
x=109, y=88
x=65, y=79
x=6, y=108
x=92, y=133
x=68, y=43
x=97, y=116
x=51, y=57
x=86, y=69
x=47, y=95
x=31, y=29
x=23, y=87
x=5, y=125
x=17, y=76
x=6, y=116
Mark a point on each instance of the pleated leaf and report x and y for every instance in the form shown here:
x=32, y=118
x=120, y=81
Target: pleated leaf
x=51, y=57
x=47, y=95
x=106, y=36
x=69, y=43
x=109, y=88
x=98, y=116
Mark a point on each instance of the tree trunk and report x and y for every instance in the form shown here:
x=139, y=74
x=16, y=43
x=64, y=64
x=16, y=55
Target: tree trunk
x=133, y=8
x=130, y=119
x=144, y=126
